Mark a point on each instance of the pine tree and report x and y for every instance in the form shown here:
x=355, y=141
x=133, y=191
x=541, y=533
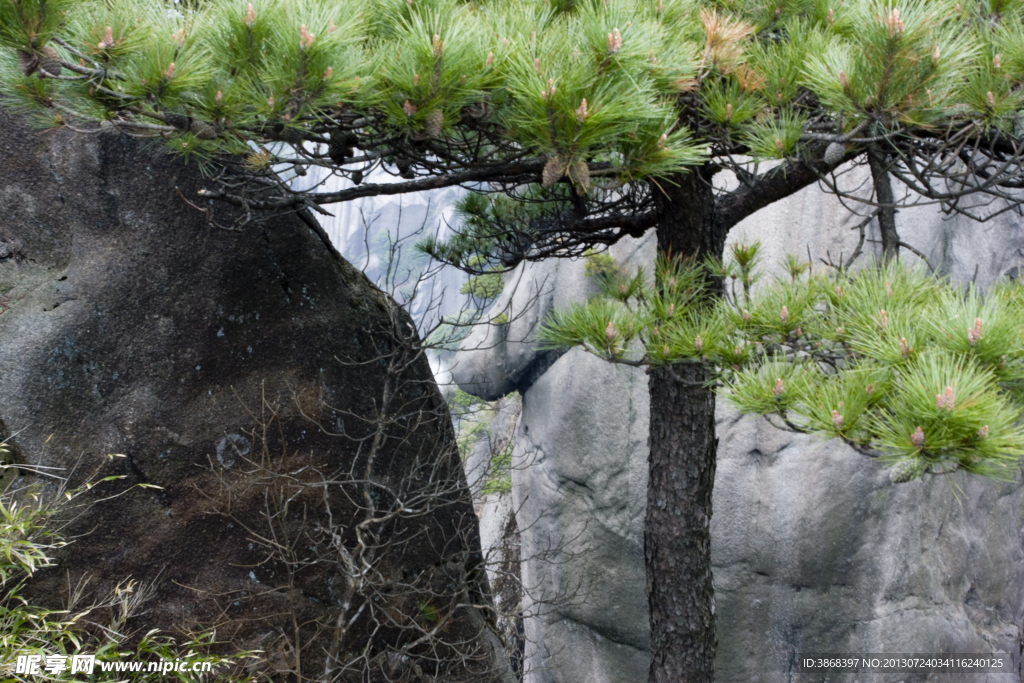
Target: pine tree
x=594, y=119
x=900, y=364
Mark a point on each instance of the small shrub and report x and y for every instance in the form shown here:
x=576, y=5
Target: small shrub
x=599, y=264
x=484, y=287
x=468, y=436
x=500, y=479
x=461, y=399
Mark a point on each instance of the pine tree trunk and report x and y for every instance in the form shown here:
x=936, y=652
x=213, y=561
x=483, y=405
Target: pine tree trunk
x=677, y=540
x=884, y=197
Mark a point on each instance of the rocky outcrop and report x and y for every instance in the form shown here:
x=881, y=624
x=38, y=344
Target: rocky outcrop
x=815, y=222
x=814, y=549
x=498, y=359
x=489, y=431
x=579, y=486
x=579, y=479
x=262, y=390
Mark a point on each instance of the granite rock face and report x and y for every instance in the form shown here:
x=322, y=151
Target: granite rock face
x=579, y=486
x=213, y=360
x=579, y=479
x=813, y=548
x=498, y=359
x=491, y=436
x=814, y=221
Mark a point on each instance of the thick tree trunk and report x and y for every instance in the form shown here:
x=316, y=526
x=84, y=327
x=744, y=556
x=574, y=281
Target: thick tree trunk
x=677, y=540
x=886, y=202
x=688, y=224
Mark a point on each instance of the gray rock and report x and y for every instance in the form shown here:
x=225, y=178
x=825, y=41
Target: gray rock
x=815, y=550
x=579, y=485
x=493, y=430
x=131, y=325
x=816, y=222
x=579, y=479
x=497, y=359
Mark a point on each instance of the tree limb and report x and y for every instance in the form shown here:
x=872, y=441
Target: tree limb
x=769, y=187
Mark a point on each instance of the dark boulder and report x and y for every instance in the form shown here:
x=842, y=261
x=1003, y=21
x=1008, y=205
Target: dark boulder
x=265, y=386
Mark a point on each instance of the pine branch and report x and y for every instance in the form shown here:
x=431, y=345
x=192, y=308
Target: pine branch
x=771, y=186
x=514, y=174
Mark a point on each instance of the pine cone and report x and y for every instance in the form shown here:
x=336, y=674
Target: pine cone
x=553, y=172
x=405, y=169
x=49, y=61
x=341, y=147
x=203, y=130
x=292, y=136
x=834, y=153
x=905, y=470
x=179, y=121
x=432, y=124
x=579, y=174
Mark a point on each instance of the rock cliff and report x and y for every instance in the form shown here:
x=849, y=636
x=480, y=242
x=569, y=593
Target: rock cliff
x=579, y=479
x=814, y=549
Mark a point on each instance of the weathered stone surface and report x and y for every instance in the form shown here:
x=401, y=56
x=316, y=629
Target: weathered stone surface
x=813, y=547
x=135, y=327
x=497, y=359
x=579, y=485
x=816, y=222
x=579, y=480
x=493, y=430
x=499, y=529
x=815, y=550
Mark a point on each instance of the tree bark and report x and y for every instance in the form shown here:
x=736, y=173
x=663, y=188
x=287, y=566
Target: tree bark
x=688, y=222
x=677, y=540
x=886, y=203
